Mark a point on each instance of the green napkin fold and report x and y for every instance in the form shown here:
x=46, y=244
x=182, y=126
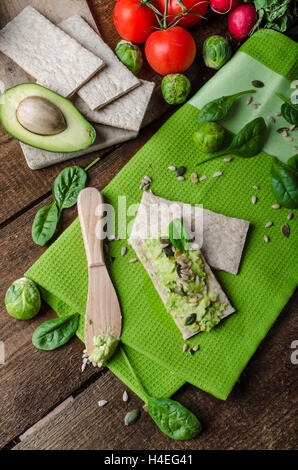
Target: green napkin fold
x=267, y=277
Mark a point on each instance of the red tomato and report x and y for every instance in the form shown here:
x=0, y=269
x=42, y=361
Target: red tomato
x=134, y=21
x=170, y=50
x=187, y=20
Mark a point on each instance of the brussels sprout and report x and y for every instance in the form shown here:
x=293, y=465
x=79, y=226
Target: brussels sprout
x=175, y=88
x=210, y=137
x=22, y=299
x=130, y=55
x=216, y=52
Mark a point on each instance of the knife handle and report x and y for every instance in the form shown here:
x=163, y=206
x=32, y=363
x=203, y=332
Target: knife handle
x=90, y=208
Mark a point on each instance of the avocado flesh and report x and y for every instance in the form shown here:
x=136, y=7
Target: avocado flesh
x=78, y=135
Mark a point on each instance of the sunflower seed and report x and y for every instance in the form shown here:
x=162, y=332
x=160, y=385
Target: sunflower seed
x=271, y=119
x=172, y=168
x=285, y=230
x=94, y=364
x=123, y=251
x=292, y=127
x=295, y=148
x=285, y=133
x=254, y=199
x=147, y=179
x=133, y=260
x=185, y=347
x=278, y=113
x=102, y=403
x=194, y=178
x=125, y=396
x=196, y=347
x=181, y=171
x=173, y=249
x=256, y=187
x=275, y=206
x=290, y=216
x=249, y=100
x=269, y=224
x=131, y=417
x=203, y=178
x=164, y=245
x=257, y=83
x=193, y=301
x=228, y=159
x=266, y=239
x=255, y=105
x=217, y=173
x=84, y=365
x=180, y=178
x=85, y=360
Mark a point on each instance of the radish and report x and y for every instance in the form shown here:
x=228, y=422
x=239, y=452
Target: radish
x=242, y=20
x=223, y=6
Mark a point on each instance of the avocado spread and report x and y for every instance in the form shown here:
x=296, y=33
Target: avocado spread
x=104, y=348
x=183, y=277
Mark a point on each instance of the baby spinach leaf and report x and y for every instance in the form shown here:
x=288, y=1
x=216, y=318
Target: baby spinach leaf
x=284, y=182
x=219, y=108
x=55, y=333
x=45, y=224
x=289, y=110
x=250, y=139
x=178, y=235
x=67, y=186
x=174, y=419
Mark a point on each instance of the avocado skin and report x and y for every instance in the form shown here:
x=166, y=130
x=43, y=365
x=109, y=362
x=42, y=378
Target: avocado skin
x=79, y=135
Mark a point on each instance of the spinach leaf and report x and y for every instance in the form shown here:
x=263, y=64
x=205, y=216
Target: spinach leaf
x=67, y=186
x=45, y=224
x=284, y=182
x=55, y=333
x=250, y=139
x=173, y=419
x=289, y=110
x=274, y=14
x=178, y=235
x=219, y=108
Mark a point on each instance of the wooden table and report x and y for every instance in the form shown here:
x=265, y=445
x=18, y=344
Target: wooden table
x=260, y=412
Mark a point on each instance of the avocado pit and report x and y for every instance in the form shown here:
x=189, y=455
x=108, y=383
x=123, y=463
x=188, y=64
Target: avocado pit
x=39, y=116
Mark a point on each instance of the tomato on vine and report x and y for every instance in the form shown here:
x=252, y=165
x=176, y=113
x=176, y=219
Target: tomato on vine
x=134, y=20
x=191, y=11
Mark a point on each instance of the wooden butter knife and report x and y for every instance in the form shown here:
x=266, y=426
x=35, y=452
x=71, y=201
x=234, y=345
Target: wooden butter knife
x=103, y=314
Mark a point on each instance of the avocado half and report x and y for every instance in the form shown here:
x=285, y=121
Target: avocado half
x=78, y=134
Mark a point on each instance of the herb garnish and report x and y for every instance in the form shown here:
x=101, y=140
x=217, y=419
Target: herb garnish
x=172, y=418
x=284, y=182
x=55, y=333
x=289, y=110
x=178, y=235
x=219, y=108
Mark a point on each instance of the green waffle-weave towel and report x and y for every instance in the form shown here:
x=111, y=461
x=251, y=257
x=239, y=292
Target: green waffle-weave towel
x=268, y=273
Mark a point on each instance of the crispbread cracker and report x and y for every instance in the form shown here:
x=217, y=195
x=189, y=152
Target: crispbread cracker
x=114, y=81
x=126, y=113
x=43, y=50
x=223, y=237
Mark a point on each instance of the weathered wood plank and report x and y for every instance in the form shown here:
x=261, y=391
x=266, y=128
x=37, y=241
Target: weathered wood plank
x=261, y=412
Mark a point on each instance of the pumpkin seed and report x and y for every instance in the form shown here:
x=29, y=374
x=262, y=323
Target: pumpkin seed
x=285, y=230
x=257, y=84
x=131, y=417
x=266, y=239
x=269, y=224
x=190, y=319
x=181, y=171
x=290, y=216
x=191, y=352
